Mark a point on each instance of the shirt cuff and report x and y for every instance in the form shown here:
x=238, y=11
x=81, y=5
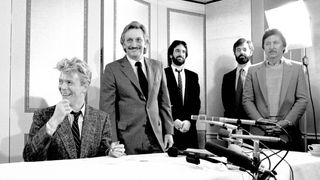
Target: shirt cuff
x=50, y=130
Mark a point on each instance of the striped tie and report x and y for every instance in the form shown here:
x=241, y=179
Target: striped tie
x=180, y=93
x=75, y=132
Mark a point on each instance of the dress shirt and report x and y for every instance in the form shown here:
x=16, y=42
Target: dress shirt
x=50, y=129
x=183, y=77
x=245, y=68
x=134, y=67
x=80, y=119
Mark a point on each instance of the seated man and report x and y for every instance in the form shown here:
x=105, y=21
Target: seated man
x=71, y=128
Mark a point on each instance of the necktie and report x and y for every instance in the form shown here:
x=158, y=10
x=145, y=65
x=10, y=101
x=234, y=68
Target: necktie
x=142, y=79
x=180, y=94
x=239, y=89
x=76, y=132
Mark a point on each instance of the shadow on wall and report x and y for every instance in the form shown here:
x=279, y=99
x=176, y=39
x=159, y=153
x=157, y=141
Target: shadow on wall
x=315, y=95
x=222, y=65
x=19, y=126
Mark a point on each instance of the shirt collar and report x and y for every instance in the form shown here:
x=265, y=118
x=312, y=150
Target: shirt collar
x=268, y=63
x=245, y=67
x=133, y=62
x=83, y=109
x=179, y=68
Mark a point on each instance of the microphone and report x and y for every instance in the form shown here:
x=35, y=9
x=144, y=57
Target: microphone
x=192, y=157
x=226, y=134
x=232, y=156
x=174, y=152
x=231, y=120
x=213, y=121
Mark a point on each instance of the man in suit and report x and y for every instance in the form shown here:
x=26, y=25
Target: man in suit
x=71, y=129
x=232, y=88
x=184, y=94
x=134, y=92
x=276, y=91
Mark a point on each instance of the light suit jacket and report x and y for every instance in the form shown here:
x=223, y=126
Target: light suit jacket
x=122, y=97
x=293, y=95
x=95, y=137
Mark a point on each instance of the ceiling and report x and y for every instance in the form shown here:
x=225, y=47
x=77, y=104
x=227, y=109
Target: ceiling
x=202, y=1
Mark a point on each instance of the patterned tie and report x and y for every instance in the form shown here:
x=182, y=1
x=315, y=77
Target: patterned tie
x=239, y=89
x=180, y=94
x=75, y=132
x=142, y=79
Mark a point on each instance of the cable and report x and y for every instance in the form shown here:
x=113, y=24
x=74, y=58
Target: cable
x=305, y=62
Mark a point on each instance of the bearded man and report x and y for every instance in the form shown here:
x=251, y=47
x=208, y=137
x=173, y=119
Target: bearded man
x=233, y=81
x=184, y=92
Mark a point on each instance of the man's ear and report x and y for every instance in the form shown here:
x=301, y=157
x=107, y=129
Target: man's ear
x=170, y=56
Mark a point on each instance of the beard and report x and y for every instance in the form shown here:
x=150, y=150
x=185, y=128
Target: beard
x=242, y=59
x=177, y=61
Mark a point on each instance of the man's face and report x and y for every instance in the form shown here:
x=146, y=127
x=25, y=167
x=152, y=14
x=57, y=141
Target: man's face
x=179, y=55
x=71, y=89
x=273, y=47
x=243, y=53
x=134, y=43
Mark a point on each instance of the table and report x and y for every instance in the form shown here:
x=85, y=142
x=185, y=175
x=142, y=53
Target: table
x=134, y=167
x=305, y=166
x=153, y=166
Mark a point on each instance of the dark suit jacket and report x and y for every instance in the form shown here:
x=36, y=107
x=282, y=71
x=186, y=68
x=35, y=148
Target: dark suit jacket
x=191, y=107
x=122, y=97
x=228, y=94
x=95, y=137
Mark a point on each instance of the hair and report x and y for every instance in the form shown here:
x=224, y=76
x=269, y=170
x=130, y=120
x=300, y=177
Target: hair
x=270, y=32
x=76, y=65
x=135, y=25
x=240, y=42
x=173, y=45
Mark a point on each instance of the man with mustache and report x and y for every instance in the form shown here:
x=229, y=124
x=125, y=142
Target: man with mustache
x=276, y=91
x=134, y=92
x=71, y=129
x=233, y=81
x=184, y=96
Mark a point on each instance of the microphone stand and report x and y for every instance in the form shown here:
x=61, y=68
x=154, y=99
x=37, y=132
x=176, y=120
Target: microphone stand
x=261, y=174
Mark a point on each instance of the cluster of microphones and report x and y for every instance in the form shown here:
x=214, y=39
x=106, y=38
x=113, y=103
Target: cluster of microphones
x=237, y=159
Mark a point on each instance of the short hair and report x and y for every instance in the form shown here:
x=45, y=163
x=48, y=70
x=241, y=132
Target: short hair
x=270, y=32
x=77, y=66
x=135, y=25
x=242, y=41
x=173, y=45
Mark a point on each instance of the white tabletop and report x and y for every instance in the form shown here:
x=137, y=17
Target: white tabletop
x=151, y=166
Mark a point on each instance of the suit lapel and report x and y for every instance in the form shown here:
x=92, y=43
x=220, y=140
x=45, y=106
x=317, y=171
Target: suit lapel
x=67, y=138
x=187, y=81
x=286, y=75
x=126, y=68
x=88, y=131
x=150, y=75
x=261, y=75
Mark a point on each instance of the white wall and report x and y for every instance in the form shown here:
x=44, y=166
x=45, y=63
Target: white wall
x=16, y=120
x=227, y=21
x=5, y=36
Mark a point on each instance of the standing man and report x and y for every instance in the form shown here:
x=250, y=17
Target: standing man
x=276, y=91
x=233, y=81
x=134, y=92
x=184, y=93
x=70, y=129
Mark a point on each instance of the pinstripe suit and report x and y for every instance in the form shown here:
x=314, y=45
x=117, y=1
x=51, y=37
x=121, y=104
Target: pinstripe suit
x=122, y=97
x=95, y=139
